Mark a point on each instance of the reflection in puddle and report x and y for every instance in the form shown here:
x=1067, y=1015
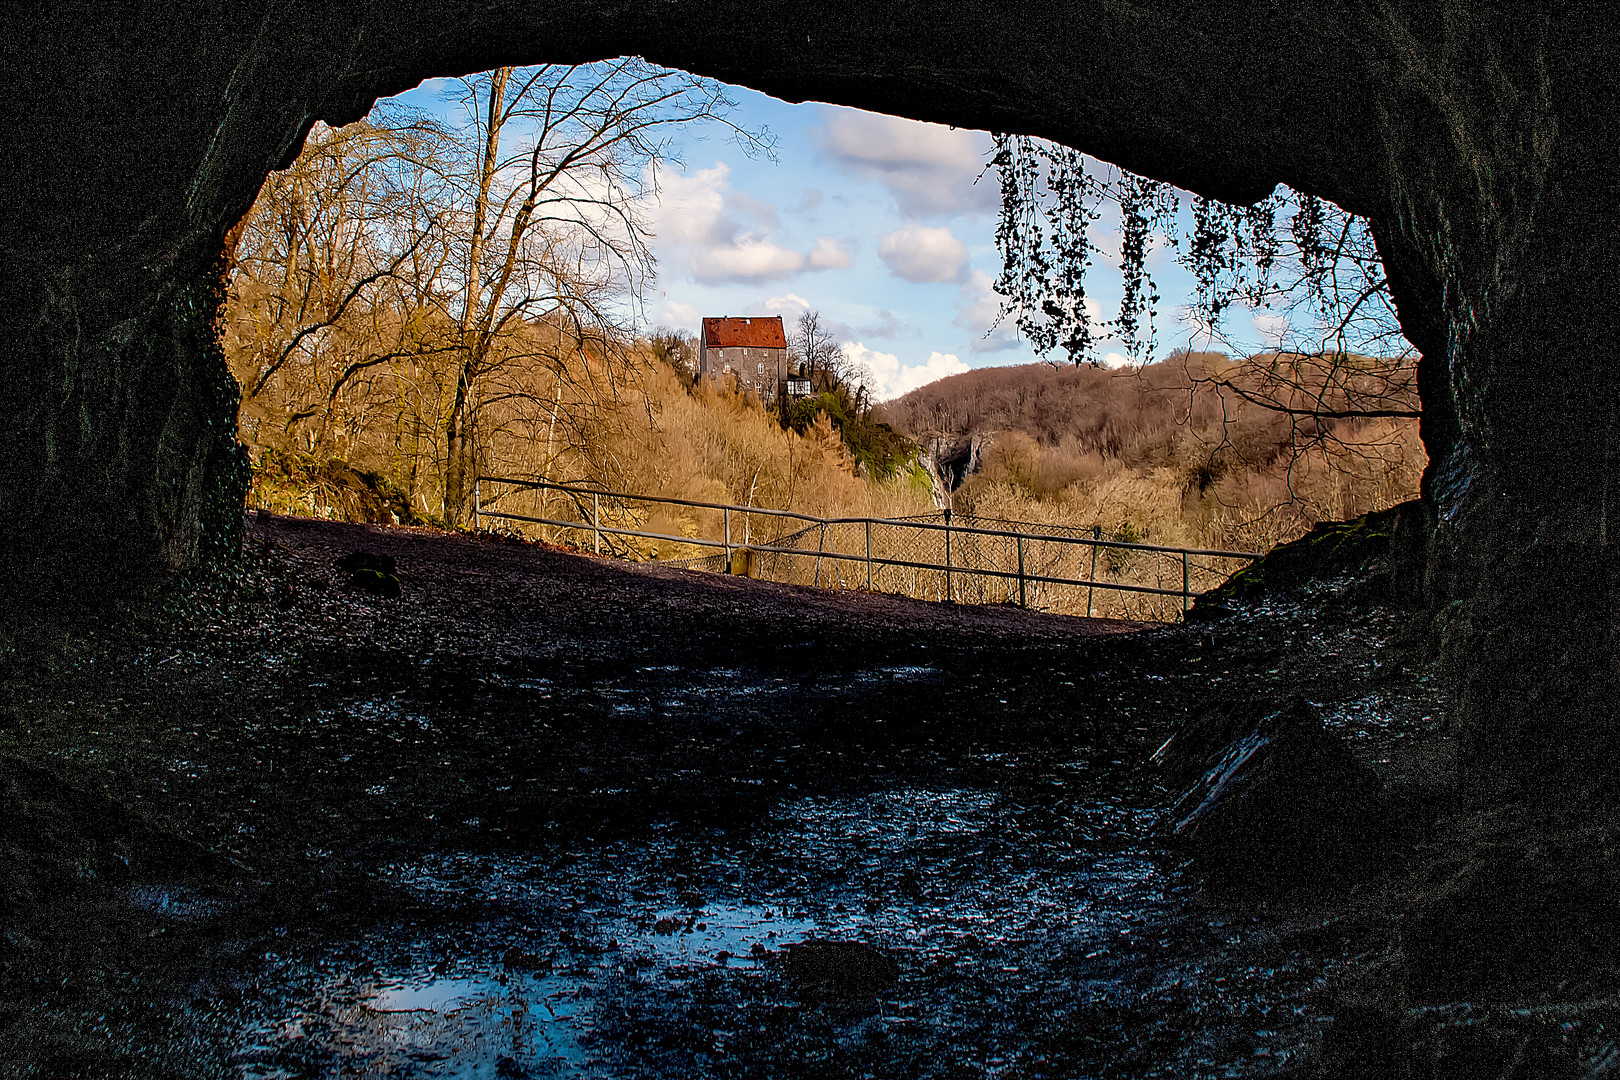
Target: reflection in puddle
x=736, y=935
x=490, y=1025
x=439, y=995
x=656, y=955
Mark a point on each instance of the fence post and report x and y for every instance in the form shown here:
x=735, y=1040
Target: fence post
x=1185, y=590
x=727, y=548
x=821, y=545
x=1023, y=601
x=949, y=597
x=868, y=554
x=596, y=520
x=1091, y=590
x=478, y=521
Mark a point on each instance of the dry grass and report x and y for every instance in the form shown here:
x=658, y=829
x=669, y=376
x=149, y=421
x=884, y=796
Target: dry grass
x=1133, y=458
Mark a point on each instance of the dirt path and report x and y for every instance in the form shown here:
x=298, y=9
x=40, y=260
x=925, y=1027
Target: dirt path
x=547, y=814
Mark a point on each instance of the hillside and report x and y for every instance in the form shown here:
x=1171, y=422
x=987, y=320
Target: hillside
x=1198, y=448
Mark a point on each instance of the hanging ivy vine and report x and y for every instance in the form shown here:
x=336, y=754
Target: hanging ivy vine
x=1323, y=266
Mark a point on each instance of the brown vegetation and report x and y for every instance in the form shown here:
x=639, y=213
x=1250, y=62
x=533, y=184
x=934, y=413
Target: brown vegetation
x=1197, y=449
x=414, y=305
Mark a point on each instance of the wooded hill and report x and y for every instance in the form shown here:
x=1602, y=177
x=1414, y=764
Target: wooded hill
x=1198, y=447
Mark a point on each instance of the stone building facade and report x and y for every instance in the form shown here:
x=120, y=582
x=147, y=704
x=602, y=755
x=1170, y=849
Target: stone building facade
x=752, y=349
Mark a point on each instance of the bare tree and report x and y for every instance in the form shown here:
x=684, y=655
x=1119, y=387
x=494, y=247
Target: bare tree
x=313, y=261
x=548, y=199
x=822, y=355
x=677, y=348
x=475, y=279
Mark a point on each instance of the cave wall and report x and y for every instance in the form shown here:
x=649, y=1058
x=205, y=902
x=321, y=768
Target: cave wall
x=1475, y=136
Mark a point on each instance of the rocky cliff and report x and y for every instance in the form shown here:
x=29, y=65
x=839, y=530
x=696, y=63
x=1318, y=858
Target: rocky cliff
x=1477, y=138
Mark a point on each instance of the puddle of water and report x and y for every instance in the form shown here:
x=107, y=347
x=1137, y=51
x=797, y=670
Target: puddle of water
x=654, y=955
x=439, y=995
x=416, y=1025
x=907, y=672
x=174, y=902
x=736, y=935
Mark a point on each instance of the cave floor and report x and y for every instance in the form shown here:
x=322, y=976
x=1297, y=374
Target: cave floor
x=549, y=814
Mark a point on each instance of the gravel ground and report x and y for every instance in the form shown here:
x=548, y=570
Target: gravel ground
x=548, y=814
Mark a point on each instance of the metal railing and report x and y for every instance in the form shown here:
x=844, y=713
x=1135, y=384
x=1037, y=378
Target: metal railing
x=964, y=545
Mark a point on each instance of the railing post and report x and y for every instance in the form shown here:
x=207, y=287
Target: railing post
x=1185, y=590
x=821, y=545
x=1023, y=601
x=596, y=520
x=727, y=548
x=477, y=509
x=949, y=597
x=868, y=554
x=1091, y=590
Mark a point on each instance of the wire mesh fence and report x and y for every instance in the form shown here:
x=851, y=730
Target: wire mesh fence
x=944, y=556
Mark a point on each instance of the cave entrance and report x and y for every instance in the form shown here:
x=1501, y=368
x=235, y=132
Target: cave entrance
x=505, y=275
x=1485, y=181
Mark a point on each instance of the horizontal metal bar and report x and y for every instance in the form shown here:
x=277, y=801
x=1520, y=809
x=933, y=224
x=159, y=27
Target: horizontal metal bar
x=611, y=529
x=654, y=498
x=1118, y=587
x=900, y=523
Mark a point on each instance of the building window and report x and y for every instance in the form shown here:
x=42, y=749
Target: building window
x=761, y=370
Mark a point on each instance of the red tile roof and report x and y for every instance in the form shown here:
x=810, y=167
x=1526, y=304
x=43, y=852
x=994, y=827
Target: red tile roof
x=759, y=332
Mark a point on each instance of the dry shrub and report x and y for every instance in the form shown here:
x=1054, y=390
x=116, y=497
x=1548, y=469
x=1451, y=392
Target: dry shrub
x=1165, y=454
x=1134, y=457
x=705, y=444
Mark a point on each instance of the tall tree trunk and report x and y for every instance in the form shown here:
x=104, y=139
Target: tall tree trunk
x=459, y=444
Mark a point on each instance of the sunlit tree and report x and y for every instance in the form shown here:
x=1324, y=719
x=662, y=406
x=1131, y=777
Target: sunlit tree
x=476, y=278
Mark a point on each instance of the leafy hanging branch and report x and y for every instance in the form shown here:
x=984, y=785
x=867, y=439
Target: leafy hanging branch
x=1146, y=208
x=1338, y=368
x=1323, y=270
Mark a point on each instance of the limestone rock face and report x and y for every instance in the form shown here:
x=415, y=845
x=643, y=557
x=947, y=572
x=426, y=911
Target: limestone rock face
x=1270, y=798
x=1477, y=139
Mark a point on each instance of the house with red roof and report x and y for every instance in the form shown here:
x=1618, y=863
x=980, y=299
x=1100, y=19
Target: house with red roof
x=752, y=349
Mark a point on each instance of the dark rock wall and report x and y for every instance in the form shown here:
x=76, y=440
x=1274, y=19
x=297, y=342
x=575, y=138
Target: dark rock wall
x=1476, y=136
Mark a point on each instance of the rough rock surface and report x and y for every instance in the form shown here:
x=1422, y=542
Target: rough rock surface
x=827, y=970
x=579, y=752
x=1477, y=139
x=1273, y=798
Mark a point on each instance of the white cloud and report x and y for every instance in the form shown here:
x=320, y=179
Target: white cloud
x=692, y=207
x=786, y=305
x=762, y=212
x=923, y=255
x=928, y=168
x=721, y=235
x=790, y=306
x=1272, y=327
x=678, y=316
x=744, y=260
x=976, y=311
x=886, y=326
x=828, y=255
x=891, y=378
x=1114, y=361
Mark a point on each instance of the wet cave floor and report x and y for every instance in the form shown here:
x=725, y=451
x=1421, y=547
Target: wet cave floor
x=552, y=815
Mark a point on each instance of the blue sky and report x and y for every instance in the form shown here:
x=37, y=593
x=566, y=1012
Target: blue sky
x=884, y=225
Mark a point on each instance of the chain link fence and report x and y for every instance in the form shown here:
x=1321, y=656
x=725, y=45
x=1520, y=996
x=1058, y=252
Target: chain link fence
x=957, y=557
